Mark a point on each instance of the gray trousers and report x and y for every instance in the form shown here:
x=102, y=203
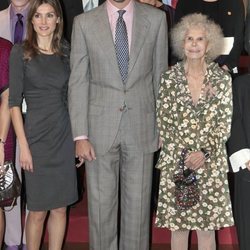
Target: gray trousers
x=126, y=167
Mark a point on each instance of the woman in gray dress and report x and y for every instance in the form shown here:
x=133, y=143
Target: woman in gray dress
x=39, y=72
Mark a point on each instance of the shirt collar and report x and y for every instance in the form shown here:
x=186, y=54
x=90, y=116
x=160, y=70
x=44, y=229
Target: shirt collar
x=24, y=12
x=112, y=10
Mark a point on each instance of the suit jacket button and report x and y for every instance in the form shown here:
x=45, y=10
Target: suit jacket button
x=121, y=109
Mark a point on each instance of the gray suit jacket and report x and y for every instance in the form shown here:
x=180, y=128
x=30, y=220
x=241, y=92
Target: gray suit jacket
x=96, y=91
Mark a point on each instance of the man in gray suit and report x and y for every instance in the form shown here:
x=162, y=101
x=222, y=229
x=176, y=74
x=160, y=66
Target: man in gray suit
x=112, y=110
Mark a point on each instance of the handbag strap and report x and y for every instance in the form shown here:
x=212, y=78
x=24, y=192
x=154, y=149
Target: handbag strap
x=184, y=153
x=11, y=206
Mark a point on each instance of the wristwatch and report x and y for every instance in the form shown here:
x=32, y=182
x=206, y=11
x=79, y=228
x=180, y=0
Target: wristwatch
x=206, y=153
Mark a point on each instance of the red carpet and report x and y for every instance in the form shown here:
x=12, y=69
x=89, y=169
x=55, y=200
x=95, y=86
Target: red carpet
x=78, y=229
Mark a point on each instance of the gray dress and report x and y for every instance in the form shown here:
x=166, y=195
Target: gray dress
x=43, y=82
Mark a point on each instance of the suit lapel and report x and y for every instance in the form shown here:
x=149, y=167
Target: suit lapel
x=139, y=31
x=105, y=38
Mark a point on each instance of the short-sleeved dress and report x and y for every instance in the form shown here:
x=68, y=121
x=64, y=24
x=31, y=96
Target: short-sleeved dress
x=206, y=125
x=5, y=48
x=43, y=82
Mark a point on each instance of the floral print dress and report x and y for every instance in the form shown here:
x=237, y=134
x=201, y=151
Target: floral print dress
x=205, y=125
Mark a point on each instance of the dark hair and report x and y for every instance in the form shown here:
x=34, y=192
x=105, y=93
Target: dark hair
x=30, y=44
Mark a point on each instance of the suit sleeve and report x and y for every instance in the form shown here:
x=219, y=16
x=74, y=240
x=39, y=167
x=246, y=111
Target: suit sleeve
x=237, y=145
x=179, y=10
x=79, y=80
x=161, y=53
x=4, y=4
x=247, y=30
x=232, y=59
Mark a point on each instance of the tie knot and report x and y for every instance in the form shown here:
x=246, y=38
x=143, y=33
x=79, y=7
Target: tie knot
x=121, y=12
x=19, y=16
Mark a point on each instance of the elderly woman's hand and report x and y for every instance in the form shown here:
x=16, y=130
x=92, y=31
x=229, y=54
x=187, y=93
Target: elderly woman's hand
x=195, y=160
x=225, y=67
x=160, y=143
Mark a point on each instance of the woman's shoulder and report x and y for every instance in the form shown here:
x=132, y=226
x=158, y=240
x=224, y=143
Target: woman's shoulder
x=65, y=47
x=216, y=71
x=17, y=50
x=5, y=44
x=65, y=50
x=174, y=70
x=5, y=49
x=172, y=76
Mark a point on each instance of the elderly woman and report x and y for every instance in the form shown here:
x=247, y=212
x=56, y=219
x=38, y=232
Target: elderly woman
x=194, y=110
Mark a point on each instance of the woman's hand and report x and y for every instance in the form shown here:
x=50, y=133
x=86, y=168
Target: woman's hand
x=25, y=158
x=195, y=160
x=1, y=154
x=1, y=158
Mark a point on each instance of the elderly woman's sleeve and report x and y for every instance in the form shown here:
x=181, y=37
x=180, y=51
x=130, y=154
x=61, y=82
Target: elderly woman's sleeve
x=164, y=109
x=220, y=134
x=16, y=74
x=238, y=143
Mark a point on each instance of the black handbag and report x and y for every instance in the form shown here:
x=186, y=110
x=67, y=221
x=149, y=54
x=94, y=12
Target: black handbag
x=10, y=185
x=186, y=187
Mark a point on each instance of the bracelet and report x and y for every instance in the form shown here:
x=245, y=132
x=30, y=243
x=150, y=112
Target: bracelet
x=2, y=141
x=206, y=154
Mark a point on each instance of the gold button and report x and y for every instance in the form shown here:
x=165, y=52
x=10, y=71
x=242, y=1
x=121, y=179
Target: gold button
x=229, y=13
